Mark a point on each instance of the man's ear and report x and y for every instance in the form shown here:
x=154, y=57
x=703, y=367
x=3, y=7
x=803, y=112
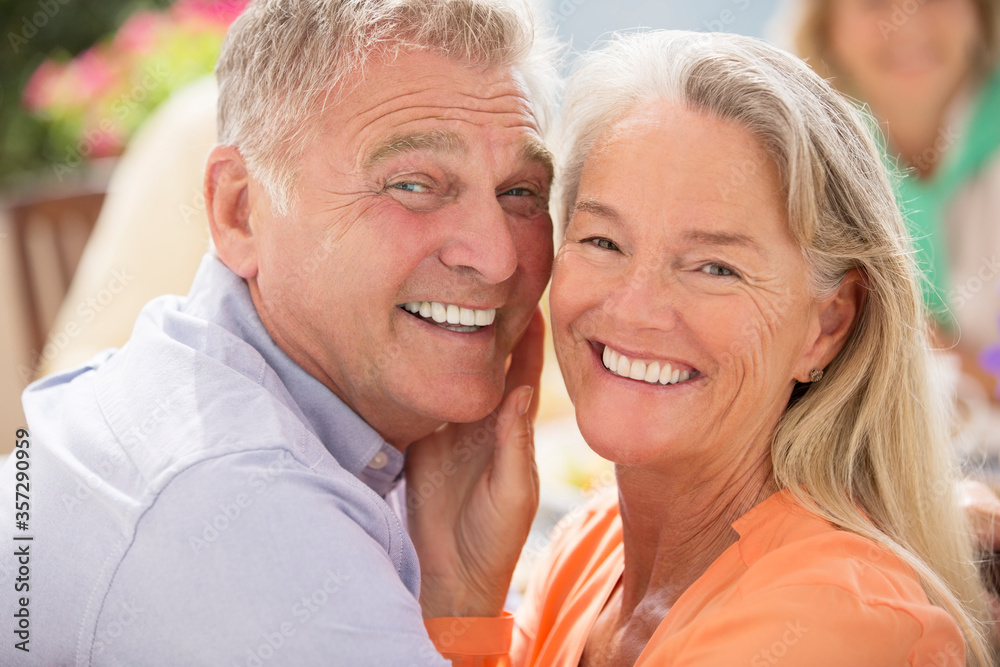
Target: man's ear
x=838, y=315
x=227, y=203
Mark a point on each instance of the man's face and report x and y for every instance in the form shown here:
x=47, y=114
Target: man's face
x=426, y=190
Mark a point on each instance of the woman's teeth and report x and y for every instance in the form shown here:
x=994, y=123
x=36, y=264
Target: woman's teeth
x=445, y=314
x=653, y=372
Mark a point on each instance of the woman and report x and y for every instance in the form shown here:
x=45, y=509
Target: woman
x=726, y=218
x=929, y=73
x=738, y=322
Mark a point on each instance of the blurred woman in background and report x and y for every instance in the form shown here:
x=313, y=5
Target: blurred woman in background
x=927, y=69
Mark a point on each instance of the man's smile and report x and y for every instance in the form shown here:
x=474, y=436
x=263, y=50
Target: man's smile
x=451, y=317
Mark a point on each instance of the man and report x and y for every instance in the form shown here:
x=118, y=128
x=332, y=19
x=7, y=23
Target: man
x=220, y=491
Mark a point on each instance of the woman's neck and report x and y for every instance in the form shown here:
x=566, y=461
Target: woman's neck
x=676, y=526
x=919, y=133
x=919, y=139
x=673, y=529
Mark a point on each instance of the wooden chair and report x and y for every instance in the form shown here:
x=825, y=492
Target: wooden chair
x=49, y=236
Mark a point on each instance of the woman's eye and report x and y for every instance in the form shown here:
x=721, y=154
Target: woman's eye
x=408, y=186
x=601, y=242
x=718, y=270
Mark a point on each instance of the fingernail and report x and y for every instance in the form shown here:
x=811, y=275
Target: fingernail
x=524, y=401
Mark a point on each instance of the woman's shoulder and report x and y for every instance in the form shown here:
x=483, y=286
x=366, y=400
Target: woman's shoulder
x=584, y=555
x=597, y=513
x=803, y=587
x=786, y=544
x=799, y=563
x=592, y=527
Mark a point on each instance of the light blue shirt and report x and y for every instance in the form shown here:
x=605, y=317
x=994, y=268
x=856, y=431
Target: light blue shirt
x=196, y=498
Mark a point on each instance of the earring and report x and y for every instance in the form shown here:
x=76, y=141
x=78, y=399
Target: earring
x=815, y=375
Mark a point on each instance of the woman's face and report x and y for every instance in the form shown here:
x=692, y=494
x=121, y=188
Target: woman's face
x=678, y=257
x=913, y=53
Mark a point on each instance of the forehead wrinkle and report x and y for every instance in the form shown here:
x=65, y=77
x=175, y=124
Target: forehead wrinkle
x=437, y=141
x=472, y=101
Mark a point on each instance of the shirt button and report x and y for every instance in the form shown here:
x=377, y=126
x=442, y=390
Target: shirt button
x=378, y=461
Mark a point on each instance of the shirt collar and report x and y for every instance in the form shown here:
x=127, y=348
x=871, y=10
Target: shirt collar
x=223, y=298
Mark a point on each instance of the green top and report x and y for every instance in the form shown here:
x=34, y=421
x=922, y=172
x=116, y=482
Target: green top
x=924, y=201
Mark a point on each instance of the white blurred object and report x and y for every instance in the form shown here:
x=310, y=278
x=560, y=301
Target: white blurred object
x=975, y=418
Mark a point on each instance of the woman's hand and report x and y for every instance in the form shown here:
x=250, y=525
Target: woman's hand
x=472, y=493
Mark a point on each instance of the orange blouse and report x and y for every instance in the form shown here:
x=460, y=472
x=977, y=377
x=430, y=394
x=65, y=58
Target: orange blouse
x=793, y=590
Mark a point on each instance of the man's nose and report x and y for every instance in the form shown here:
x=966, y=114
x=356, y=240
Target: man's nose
x=479, y=238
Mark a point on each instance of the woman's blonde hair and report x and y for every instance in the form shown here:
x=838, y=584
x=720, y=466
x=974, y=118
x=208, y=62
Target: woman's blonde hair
x=866, y=447
x=810, y=21
x=284, y=61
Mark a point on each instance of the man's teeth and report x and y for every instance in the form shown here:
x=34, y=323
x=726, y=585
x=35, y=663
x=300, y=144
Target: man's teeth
x=446, y=313
x=653, y=372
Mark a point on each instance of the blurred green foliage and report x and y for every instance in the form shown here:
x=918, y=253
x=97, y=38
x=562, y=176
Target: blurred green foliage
x=33, y=30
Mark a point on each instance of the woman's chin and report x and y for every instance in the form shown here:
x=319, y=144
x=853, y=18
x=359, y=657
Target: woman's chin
x=622, y=441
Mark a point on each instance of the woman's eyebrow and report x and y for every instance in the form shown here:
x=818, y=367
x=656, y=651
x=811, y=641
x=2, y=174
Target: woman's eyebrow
x=597, y=208
x=724, y=239
x=702, y=236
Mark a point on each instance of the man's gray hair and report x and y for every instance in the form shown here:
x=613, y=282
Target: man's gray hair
x=284, y=61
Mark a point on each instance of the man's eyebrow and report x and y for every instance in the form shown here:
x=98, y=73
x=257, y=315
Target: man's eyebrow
x=535, y=151
x=438, y=141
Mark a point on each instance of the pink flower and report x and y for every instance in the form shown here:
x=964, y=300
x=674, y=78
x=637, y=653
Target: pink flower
x=94, y=73
x=138, y=33
x=39, y=93
x=104, y=143
x=219, y=12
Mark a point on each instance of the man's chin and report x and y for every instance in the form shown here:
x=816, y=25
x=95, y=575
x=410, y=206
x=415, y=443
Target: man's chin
x=462, y=402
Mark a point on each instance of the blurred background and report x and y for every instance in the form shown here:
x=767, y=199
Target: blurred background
x=107, y=112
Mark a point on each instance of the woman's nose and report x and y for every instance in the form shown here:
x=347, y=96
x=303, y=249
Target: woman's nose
x=644, y=298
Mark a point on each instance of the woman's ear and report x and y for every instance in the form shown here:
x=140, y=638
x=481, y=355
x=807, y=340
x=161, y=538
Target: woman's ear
x=227, y=203
x=837, y=315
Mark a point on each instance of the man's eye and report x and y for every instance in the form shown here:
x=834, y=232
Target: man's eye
x=408, y=186
x=718, y=270
x=601, y=242
x=517, y=192
x=522, y=202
